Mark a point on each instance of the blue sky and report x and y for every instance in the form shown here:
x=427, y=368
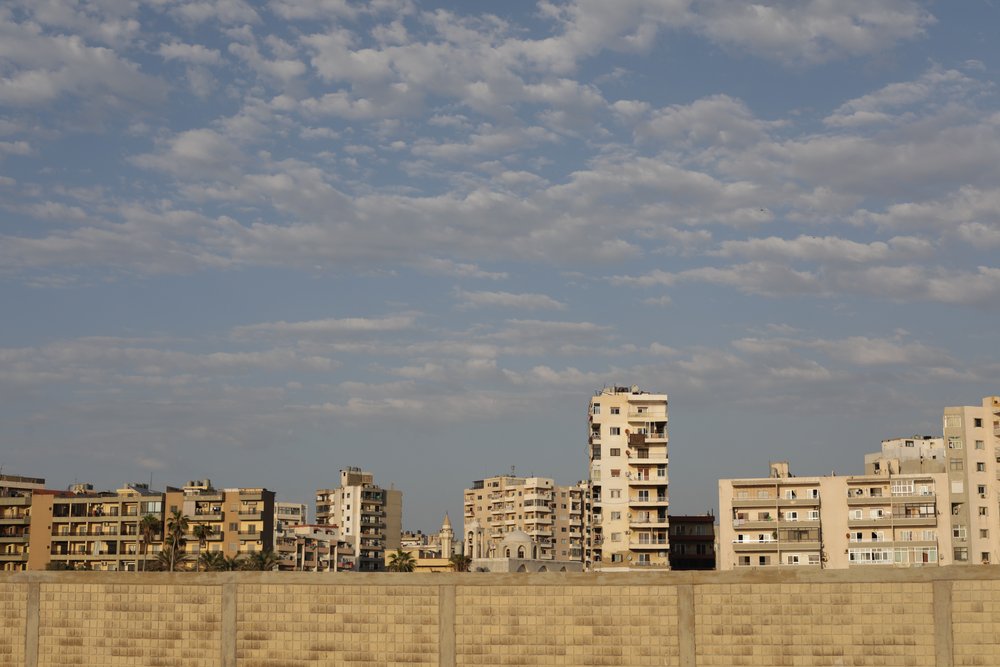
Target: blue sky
x=259, y=242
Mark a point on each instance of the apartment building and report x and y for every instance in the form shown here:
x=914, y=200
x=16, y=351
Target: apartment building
x=550, y=514
x=309, y=548
x=972, y=447
x=15, y=518
x=835, y=522
x=370, y=518
x=87, y=529
x=692, y=542
x=628, y=461
x=241, y=519
x=287, y=515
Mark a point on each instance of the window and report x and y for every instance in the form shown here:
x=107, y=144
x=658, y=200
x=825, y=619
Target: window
x=814, y=493
x=984, y=533
x=595, y=409
x=977, y=422
x=980, y=467
x=814, y=515
x=595, y=452
x=954, y=442
x=957, y=464
x=857, y=514
x=953, y=421
x=906, y=536
x=814, y=559
x=790, y=494
x=983, y=511
x=234, y=526
x=615, y=430
x=985, y=557
x=616, y=537
x=763, y=560
x=857, y=536
x=957, y=486
x=615, y=451
x=616, y=411
x=791, y=516
x=981, y=489
x=958, y=532
x=744, y=561
x=615, y=472
x=980, y=444
x=876, y=513
x=793, y=559
x=961, y=554
x=615, y=493
x=615, y=516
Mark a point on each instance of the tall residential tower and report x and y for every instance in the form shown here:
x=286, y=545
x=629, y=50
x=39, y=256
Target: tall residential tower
x=628, y=480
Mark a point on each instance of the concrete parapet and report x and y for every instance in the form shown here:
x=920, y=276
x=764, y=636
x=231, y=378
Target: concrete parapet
x=933, y=617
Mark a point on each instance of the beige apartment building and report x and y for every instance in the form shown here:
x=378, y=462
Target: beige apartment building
x=370, y=518
x=628, y=461
x=85, y=529
x=834, y=522
x=15, y=519
x=550, y=514
x=972, y=447
x=241, y=519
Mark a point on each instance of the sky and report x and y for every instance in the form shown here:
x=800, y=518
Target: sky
x=258, y=242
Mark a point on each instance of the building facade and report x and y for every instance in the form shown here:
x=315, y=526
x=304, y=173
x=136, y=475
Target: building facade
x=692, y=542
x=834, y=522
x=370, y=518
x=628, y=463
x=972, y=449
x=241, y=519
x=15, y=518
x=552, y=515
x=93, y=530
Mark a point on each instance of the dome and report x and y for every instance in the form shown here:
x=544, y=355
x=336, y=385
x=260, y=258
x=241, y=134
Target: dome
x=517, y=538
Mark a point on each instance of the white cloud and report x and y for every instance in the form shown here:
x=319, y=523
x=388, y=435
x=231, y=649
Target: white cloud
x=190, y=53
x=526, y=301
x=327, y=327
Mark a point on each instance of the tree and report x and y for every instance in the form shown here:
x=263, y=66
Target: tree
x=401, y=561
x=149, y=526
x=461, y=562
x=211, y=561
x=202, y=533
x=169, y=561
x=260, y=561
x=174, y=541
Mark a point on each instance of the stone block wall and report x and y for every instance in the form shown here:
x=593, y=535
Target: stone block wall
x=927, y=617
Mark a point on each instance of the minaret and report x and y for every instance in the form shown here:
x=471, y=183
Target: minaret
x=446, y=537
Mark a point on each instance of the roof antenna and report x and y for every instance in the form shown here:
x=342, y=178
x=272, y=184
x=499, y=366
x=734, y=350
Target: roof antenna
x=512, y=472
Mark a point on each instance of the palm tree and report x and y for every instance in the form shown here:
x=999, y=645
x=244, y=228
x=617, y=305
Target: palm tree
x=461, y=562
x=150, y=525
x=168, y=560
x=260, y=560
x=202, y=533
x=401, y=561
x=213, y=561
x=230, y=563
x=177, y=526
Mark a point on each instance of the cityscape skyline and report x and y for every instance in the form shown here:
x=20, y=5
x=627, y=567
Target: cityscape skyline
x=258, y=242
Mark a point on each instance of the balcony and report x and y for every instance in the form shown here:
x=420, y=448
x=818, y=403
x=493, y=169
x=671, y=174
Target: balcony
x=656, y=501
x=655, y=543
x=647, y=480
x=15, y=521
x=755, y=502
x=868, y=500
x=755, y=524
x=646, y=520
x=798, y=502
x=755, y=545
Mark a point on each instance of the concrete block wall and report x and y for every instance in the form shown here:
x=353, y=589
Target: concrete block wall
x=933, y=617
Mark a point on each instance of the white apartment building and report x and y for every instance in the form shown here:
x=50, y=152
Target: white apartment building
x=834, y=522
x=369, y=517
x=628, y=461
